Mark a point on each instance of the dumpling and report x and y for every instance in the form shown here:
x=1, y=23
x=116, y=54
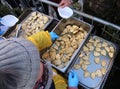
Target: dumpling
x=107, y=49
x=103, y=63
x=45, y=19
x=97, y=40
x=99, y=45
x=34, y=14
x=111, y=49
x=91, y=40
x=103, y=52
x=103, y=70
x=64, y=59
x=81, y=62
x=81, y=55
x=110, y=54
x=86, y=62
x=85, y=49
x=77, y=66
x=93, y=75
x=98, y=73
x=57, y=62
x=86, y=58
x=97, y=60
x=58, y=57
x=104, y=44
x=95, y=43
x=81, y=29
x=86, y=73
x=84, y=67
x=96, y=53
x=91, y=48
x=98, y=49
x=61, y=66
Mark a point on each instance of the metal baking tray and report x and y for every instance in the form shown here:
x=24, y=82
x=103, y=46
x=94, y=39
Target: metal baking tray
x=24, y=17
x=35, y=23
x=88, y=82
x=59, y=29
x=11, y=31
x=29, y=15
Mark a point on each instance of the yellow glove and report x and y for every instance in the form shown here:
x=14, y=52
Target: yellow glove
x=59, y=81
x=41, y=40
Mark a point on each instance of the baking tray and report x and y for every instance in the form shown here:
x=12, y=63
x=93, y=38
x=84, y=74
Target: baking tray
x=24, y=17
x=12, y=30
x=36, y=12
x=35, y=22
x=59, y=29
x=88, y=82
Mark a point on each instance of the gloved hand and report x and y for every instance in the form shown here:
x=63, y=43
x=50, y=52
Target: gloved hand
x=41, y=40
x=0, y=22
x=73, y=79
x=53, y=36
x=3, y=28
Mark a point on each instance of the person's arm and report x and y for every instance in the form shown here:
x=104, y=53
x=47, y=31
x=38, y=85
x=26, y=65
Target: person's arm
x=65, y=3
x=43, y=39
x=73, y=80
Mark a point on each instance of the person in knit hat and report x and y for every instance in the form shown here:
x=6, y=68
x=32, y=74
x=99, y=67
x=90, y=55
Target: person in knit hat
x=20, y=64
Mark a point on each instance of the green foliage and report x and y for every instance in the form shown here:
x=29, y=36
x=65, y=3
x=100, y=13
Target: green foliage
x=4, y=10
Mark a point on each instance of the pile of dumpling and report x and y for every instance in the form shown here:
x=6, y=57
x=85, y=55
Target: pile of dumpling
x=64, y=47
x=98, y=47
x=34, y=23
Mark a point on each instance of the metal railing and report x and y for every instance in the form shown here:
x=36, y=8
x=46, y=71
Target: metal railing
x=85, y=15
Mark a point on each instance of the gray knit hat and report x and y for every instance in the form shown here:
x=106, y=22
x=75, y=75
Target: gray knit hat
x=21, y=58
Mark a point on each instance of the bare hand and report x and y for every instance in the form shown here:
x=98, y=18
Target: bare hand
x=65, y=3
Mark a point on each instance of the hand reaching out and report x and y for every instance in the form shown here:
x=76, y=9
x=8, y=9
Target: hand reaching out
x=65, y=3
x=53, y=36
x=73, y=79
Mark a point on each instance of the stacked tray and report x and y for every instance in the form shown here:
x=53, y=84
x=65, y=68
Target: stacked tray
x=33, y=23
x=72, y=34
x=94, y=61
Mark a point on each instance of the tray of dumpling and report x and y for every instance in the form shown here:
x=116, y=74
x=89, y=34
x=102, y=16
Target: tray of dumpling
x=94, y=61
x=34, y=22
x=72, y=34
